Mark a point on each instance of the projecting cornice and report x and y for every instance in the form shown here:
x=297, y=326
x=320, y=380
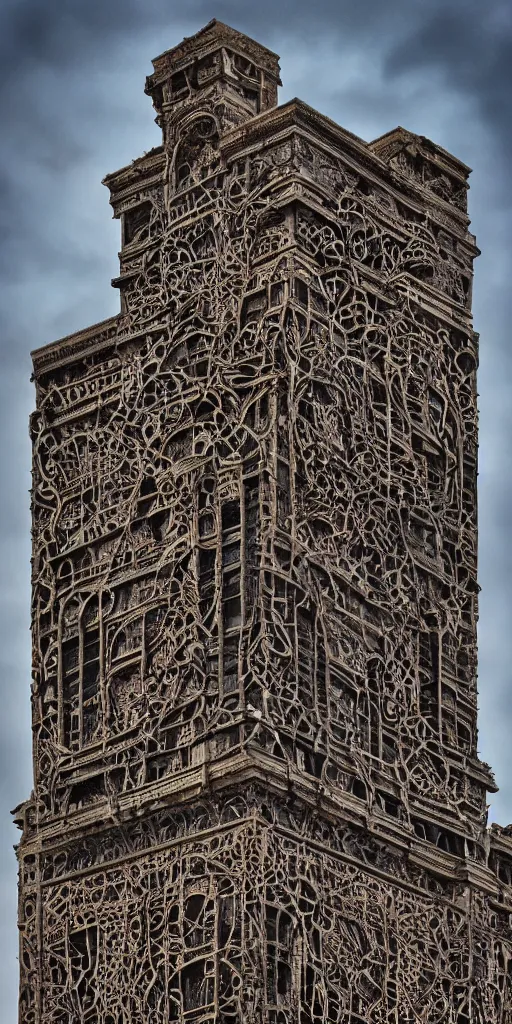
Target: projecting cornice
x=374, y=157
x=216, y=33
x=73, y=345
x=395, y=139
x=294, y=117
x=141, y=169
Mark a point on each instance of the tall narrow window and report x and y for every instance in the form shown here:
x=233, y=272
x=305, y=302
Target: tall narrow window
x=80, y=674
x=428, y=672
x=83, y=958
x=251, y=498
x=231, y=592
x=279, y=928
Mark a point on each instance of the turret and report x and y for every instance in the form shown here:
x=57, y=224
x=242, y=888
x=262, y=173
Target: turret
x=217, y=71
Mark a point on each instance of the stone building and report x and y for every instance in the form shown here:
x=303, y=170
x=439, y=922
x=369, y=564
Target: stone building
x=257, y=796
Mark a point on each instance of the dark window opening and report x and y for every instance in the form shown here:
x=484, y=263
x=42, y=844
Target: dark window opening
x=359, y=789
x=229, y=923
x=83, y=793
x=179, y=84
x=389, y=804
x=196, y=987
x=301, y=291
x=445, y=840
x=136, y=223
x=157, y=768
x=232, y=613
x=311, y=761
x=230, y=515
x=230, y=665
x=230, y=553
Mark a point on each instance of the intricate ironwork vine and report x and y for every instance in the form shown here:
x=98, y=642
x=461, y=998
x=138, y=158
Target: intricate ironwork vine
x=254, y=582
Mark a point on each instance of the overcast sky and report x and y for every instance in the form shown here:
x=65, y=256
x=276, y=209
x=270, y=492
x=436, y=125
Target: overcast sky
x=73, y=109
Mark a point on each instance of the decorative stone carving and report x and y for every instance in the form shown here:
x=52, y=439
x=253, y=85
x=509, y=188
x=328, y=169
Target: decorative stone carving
x=257, y=792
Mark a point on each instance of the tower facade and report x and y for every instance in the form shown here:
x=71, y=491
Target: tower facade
x=257, y=795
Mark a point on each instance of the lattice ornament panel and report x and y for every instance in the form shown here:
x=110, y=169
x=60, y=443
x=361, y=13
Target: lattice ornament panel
x=253, y=920
x=254, y=517
x=257, y=791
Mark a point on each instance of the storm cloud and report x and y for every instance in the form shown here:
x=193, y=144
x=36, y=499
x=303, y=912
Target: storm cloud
x=73, y=109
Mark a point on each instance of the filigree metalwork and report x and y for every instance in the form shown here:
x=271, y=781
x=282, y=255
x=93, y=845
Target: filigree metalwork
x=254, y=583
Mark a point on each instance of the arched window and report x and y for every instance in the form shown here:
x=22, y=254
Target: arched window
x=196, y=156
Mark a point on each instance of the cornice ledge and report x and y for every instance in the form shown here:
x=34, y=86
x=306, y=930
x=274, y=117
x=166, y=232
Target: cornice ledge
x=293, y=114
x=141, y=165
x=501, y=838
x=433, y=859
x=297, y=114
x=479, y=876
x=196, y=46
x=45, y=357
x=399, y=137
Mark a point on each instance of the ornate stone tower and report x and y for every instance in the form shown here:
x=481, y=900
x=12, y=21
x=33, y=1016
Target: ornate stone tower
x=257, y=792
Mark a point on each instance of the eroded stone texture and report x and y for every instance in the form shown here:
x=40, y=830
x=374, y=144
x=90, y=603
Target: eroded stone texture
x=257, y=791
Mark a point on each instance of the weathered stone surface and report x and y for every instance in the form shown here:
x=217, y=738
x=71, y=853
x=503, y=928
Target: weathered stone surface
x=257, y=790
